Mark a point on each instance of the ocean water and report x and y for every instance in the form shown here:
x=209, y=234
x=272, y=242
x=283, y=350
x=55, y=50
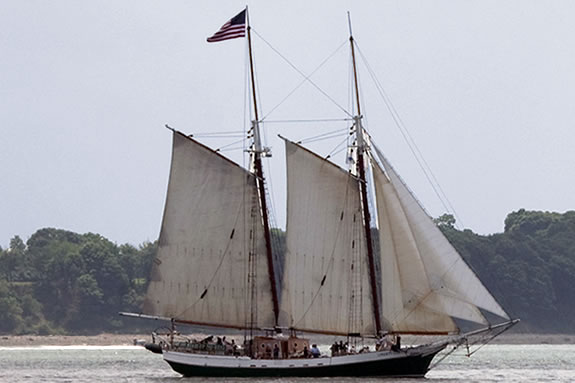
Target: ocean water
x=493, y=363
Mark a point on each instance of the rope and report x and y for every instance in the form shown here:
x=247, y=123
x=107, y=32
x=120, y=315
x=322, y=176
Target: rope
x=237, y=132
x=228, y=145
x=488, y=340
x=336, y=150
x=306, y=78
x=429, y=175
x=308, y=121
x=333, y=133
x=443, y=357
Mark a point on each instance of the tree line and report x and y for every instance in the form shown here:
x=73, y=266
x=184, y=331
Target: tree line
x=60, y=282
x=529, y=268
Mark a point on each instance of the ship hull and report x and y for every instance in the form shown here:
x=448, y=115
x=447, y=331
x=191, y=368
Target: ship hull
x=411, y=362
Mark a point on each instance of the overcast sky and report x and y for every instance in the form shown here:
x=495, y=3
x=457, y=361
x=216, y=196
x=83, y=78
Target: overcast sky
x=485, y=88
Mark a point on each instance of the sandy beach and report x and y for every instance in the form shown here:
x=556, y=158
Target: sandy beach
x=69, y=340
x=128, y=339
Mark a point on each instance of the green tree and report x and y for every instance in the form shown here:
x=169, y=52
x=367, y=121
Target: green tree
x=530, y=268
x=12, y=260
x=10, y=310
x=446, y=220
x=60, y=281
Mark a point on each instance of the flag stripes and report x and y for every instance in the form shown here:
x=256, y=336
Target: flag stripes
x=234, y=28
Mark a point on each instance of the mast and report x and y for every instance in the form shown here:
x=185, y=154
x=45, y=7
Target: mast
x=361, y=148
x=258, y=168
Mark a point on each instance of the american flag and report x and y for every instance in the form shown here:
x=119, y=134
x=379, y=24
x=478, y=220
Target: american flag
x=234, y=28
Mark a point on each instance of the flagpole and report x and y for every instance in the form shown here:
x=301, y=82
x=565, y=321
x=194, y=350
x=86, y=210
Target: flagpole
x=260, y=179
x=251, y=65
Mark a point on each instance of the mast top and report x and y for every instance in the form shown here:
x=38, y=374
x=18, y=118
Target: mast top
x=349, y=23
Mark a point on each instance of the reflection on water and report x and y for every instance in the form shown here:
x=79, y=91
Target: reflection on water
x=497, y=363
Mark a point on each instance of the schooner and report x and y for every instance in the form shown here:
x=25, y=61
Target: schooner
x=215, y=265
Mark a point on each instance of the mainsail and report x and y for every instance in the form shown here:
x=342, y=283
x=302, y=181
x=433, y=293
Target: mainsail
x=324, y=290
x=424, y=280
x=212, y=220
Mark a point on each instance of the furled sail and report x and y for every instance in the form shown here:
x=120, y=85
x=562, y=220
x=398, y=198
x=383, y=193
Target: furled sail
x=323, y=288
x=424, y=280
x=212, y=221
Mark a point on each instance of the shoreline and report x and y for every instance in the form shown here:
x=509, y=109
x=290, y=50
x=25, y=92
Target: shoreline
x=71, y=340
x=128, y=339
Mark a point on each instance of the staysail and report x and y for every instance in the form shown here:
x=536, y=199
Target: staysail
x=424, y=280
x=212, y=220
x=323, y=288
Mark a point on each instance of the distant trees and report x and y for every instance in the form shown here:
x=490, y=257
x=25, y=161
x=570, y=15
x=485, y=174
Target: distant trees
x=64, y=282
x=12, y=260
x=10, y=310
x=446, y=220
x=61, y=281
x=529, y=268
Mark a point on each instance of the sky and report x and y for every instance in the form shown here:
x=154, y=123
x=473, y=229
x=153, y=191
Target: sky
x=485, y=89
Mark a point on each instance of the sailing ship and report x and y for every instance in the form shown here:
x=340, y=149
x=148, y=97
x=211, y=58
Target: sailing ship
x=352, y=268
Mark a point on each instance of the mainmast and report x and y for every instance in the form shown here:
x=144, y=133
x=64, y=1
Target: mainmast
x=361, y=149
x=258, y=169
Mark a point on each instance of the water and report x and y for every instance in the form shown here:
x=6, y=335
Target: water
x=493, y=363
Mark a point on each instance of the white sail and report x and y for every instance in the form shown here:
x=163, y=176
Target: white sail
x=424, y=280
x=211, y=216
x=323, y=288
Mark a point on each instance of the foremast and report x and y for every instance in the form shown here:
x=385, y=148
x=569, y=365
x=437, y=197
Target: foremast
x=361, y=172
x=257, y=152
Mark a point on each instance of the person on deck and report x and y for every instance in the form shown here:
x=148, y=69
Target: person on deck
x=315, y=351
x=334, y=349
x=383, y=344
x=268, y=352
x=397, y=345
x=234, y=347
x=276, y=351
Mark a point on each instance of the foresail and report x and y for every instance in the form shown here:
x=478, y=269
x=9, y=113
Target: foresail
x=210, y=218
x=426, y=281
x=323, y=288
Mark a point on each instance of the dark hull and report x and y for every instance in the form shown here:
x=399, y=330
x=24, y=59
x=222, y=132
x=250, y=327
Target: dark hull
x=404, y=366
